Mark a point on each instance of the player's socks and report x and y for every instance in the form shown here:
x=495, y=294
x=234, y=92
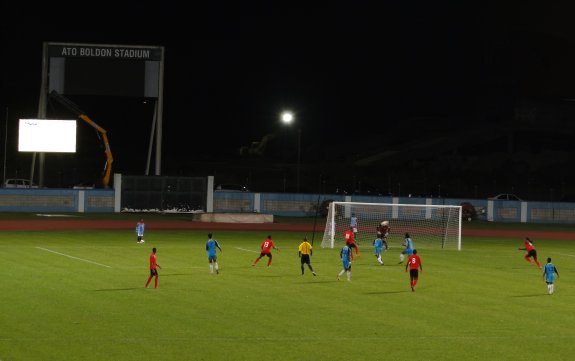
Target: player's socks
x=348, y=275
x=538, y=264
x=156, y=282
x=211, y=268
x=148, y=282
x=217, y=268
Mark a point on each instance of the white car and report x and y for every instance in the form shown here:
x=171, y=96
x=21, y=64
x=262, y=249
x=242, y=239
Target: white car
x=507, y=197
x=19, y=183
x=231, y=188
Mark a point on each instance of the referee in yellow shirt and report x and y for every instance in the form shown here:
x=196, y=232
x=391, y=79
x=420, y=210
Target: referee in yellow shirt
x=304, y=252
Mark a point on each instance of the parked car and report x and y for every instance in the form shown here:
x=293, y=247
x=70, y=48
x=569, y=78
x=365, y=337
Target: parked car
x=507, y=197
x=231, y=188
x=19, y=183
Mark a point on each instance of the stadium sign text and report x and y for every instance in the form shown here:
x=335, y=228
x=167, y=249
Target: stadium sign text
x=105, y=52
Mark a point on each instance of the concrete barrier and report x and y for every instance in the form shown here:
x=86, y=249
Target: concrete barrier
x=234, y=217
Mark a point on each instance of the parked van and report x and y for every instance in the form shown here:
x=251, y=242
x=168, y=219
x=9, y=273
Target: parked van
x=19, y=183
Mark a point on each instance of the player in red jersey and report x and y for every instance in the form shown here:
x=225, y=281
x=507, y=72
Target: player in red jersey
x=267, y=246
x=414, y=264
x=153, y=269
x=349, y=238
x=531, y=252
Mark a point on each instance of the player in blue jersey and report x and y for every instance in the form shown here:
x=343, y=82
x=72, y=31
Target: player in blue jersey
x=353, y=224
x=211, y=245
x=549, y=272
x=378, y=246
x=408, y=250
x=140, y=226
x=345, y=255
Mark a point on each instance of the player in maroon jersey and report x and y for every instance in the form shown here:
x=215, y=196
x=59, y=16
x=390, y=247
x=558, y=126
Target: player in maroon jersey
x=267, y=246
x=153, y=269
x=414, y=264
x=382, y=231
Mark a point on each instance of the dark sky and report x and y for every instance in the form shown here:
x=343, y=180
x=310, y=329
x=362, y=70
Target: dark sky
x=351, y=71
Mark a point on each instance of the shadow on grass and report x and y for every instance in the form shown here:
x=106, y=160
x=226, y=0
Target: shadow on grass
x=119, y=289
x=175, y=274
x=387, y=292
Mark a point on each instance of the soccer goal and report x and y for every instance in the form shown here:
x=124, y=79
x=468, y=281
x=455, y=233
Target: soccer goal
x=430, y=226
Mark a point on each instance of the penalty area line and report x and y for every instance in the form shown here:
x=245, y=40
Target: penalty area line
x=79, y=259
x=247, y=250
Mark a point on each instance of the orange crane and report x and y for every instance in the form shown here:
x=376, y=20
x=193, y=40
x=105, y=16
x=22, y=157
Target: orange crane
x=101, y=131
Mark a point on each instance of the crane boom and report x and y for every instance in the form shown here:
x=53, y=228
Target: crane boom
x=80, y=114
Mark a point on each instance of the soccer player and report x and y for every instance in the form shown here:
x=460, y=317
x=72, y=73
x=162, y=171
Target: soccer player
x=353, y=224
x=267, y=246
x=378, y=246
x=549, y=272
x=211, y=246
x=414, y=265
x=153, y=269
x=346, y=257
x=531, y=252
x=350, y=241
x=305, y=251
x=408, y=250
x=140, y=231
x=382, y=232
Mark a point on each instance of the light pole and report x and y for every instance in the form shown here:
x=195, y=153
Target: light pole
x=287, y=117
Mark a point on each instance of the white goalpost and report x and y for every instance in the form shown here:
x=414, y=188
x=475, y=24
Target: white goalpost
x=430, y=226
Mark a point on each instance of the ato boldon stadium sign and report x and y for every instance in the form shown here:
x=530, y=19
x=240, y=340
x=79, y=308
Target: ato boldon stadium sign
x=111, y=52
x=104, y=69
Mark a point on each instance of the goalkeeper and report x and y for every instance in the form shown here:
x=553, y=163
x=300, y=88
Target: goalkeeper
x=382, y=231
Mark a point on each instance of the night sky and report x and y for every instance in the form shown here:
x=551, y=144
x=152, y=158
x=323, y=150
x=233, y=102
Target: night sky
x=361, y=77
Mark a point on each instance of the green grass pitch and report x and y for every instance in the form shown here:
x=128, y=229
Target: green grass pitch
x=79, y=295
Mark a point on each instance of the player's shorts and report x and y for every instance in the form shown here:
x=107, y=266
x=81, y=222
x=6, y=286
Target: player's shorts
x=269, y=254
x=409, y=251
x=153, y=272
x=351, y=244
x=305, y=258
x=346, y=265
x=212, y=258
x=354, y=229
x=414, y=273
x=532, y=253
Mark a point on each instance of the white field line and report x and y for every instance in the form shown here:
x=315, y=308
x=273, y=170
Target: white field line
x=247, y=250
x=79, y=259
x=327, y=339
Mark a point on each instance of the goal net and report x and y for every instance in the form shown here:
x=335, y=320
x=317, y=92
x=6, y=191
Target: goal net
x=430, y=226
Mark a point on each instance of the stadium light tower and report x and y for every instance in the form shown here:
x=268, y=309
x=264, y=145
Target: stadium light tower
x=288, y=118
